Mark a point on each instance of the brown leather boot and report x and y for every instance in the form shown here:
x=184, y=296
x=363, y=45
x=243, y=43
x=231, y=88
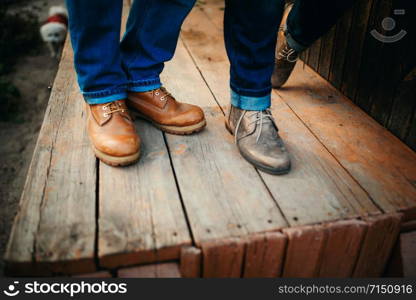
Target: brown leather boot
x=112, y=133
x=159, y=107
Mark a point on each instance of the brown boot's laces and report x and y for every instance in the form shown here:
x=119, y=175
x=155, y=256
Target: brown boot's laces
x=112, y=108
x=164, y=92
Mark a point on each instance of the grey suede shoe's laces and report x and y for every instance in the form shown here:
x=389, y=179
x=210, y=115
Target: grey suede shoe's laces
x=261, y=116
x=286, y=53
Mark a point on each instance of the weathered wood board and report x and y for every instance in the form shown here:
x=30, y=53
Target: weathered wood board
x=195, y=200
x=51, y=234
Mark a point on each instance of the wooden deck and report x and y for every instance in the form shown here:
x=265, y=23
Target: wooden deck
x=193, y=200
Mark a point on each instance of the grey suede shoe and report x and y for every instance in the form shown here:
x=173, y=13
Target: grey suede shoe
x=258, y=141
x=286, y=58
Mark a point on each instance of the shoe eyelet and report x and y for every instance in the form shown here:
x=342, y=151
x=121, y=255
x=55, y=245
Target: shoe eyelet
x=105, y=115
x=157, y=93
x=104, y=107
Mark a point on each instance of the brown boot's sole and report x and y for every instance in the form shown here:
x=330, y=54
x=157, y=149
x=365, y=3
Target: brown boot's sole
x=179, y=130
x=116, y=161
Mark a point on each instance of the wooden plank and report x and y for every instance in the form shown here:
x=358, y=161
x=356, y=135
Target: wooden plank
x=335, y=198
x=378, y=243
x=342, y=248
x=214, y=9
x=151, y=225
x=191, y=262
x=49, y=229
x=143, y=220
x=326, y=56
x=223, y=258
x=235, y=201
x=264, y=255
x=340, y=44
x=408, y=253
x=379, y=162
x=371, y=75
x=101, y=274
x=168, y=270
x=304, y=251
x=403, y=110
x=165, y=270
x=357, y=36
x=315, y=177
x=206, y=46
x=408, y=226
x=181, y=72
x=314, y=54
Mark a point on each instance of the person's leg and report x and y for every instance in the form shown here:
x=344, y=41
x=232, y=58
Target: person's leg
x=250, y=29
x=307, y=22
x=95, y=35
x=150, y=40
x=151, y=37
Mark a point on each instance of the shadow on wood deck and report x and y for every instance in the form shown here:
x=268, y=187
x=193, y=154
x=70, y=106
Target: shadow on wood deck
x=195, y=201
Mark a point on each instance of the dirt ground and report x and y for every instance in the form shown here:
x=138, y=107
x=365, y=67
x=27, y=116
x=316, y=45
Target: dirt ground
x=33, y=76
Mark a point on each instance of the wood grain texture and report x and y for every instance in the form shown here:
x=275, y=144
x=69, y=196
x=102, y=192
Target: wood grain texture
x=264, y=255
x=370, y=72
x=222, y=193
x=378, y=243
x=223, y=258
x=342, y=248
x=191, y=262
x=408, y=253
x=317, y=189
x=334, y=192
x=101, y=274
x=379, y=162
x=49, y=229
x=141, y=218
x=340, y=56
x=304, y=251
x=402, y=112
x=163, y=270
x=314, y=54
x=183, y=80
x=326, y=54
x=358, y=31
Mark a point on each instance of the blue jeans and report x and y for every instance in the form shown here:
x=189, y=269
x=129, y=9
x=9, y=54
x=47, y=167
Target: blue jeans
x=250, y=29
x=107, y=69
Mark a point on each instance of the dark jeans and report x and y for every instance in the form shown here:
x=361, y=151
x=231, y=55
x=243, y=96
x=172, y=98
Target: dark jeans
x=250, y=29
x=108, y=69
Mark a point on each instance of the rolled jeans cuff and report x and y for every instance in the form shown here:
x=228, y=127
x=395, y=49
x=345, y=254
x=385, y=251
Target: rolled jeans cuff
x=144, y=85
x=104, y=96
x=293, y=43
x=250, y=102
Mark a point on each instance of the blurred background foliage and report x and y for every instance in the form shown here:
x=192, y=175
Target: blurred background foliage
x=19, y=36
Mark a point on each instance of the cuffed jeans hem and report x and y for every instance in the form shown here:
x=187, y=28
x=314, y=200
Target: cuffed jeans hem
x=249, y=102
x=144, y=85
x=144, y=88
x=293, y=43
x=105, y=99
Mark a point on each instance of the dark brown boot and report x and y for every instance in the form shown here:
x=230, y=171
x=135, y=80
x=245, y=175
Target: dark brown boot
x=257, y=140
x=286, y=58
x=159, y=107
